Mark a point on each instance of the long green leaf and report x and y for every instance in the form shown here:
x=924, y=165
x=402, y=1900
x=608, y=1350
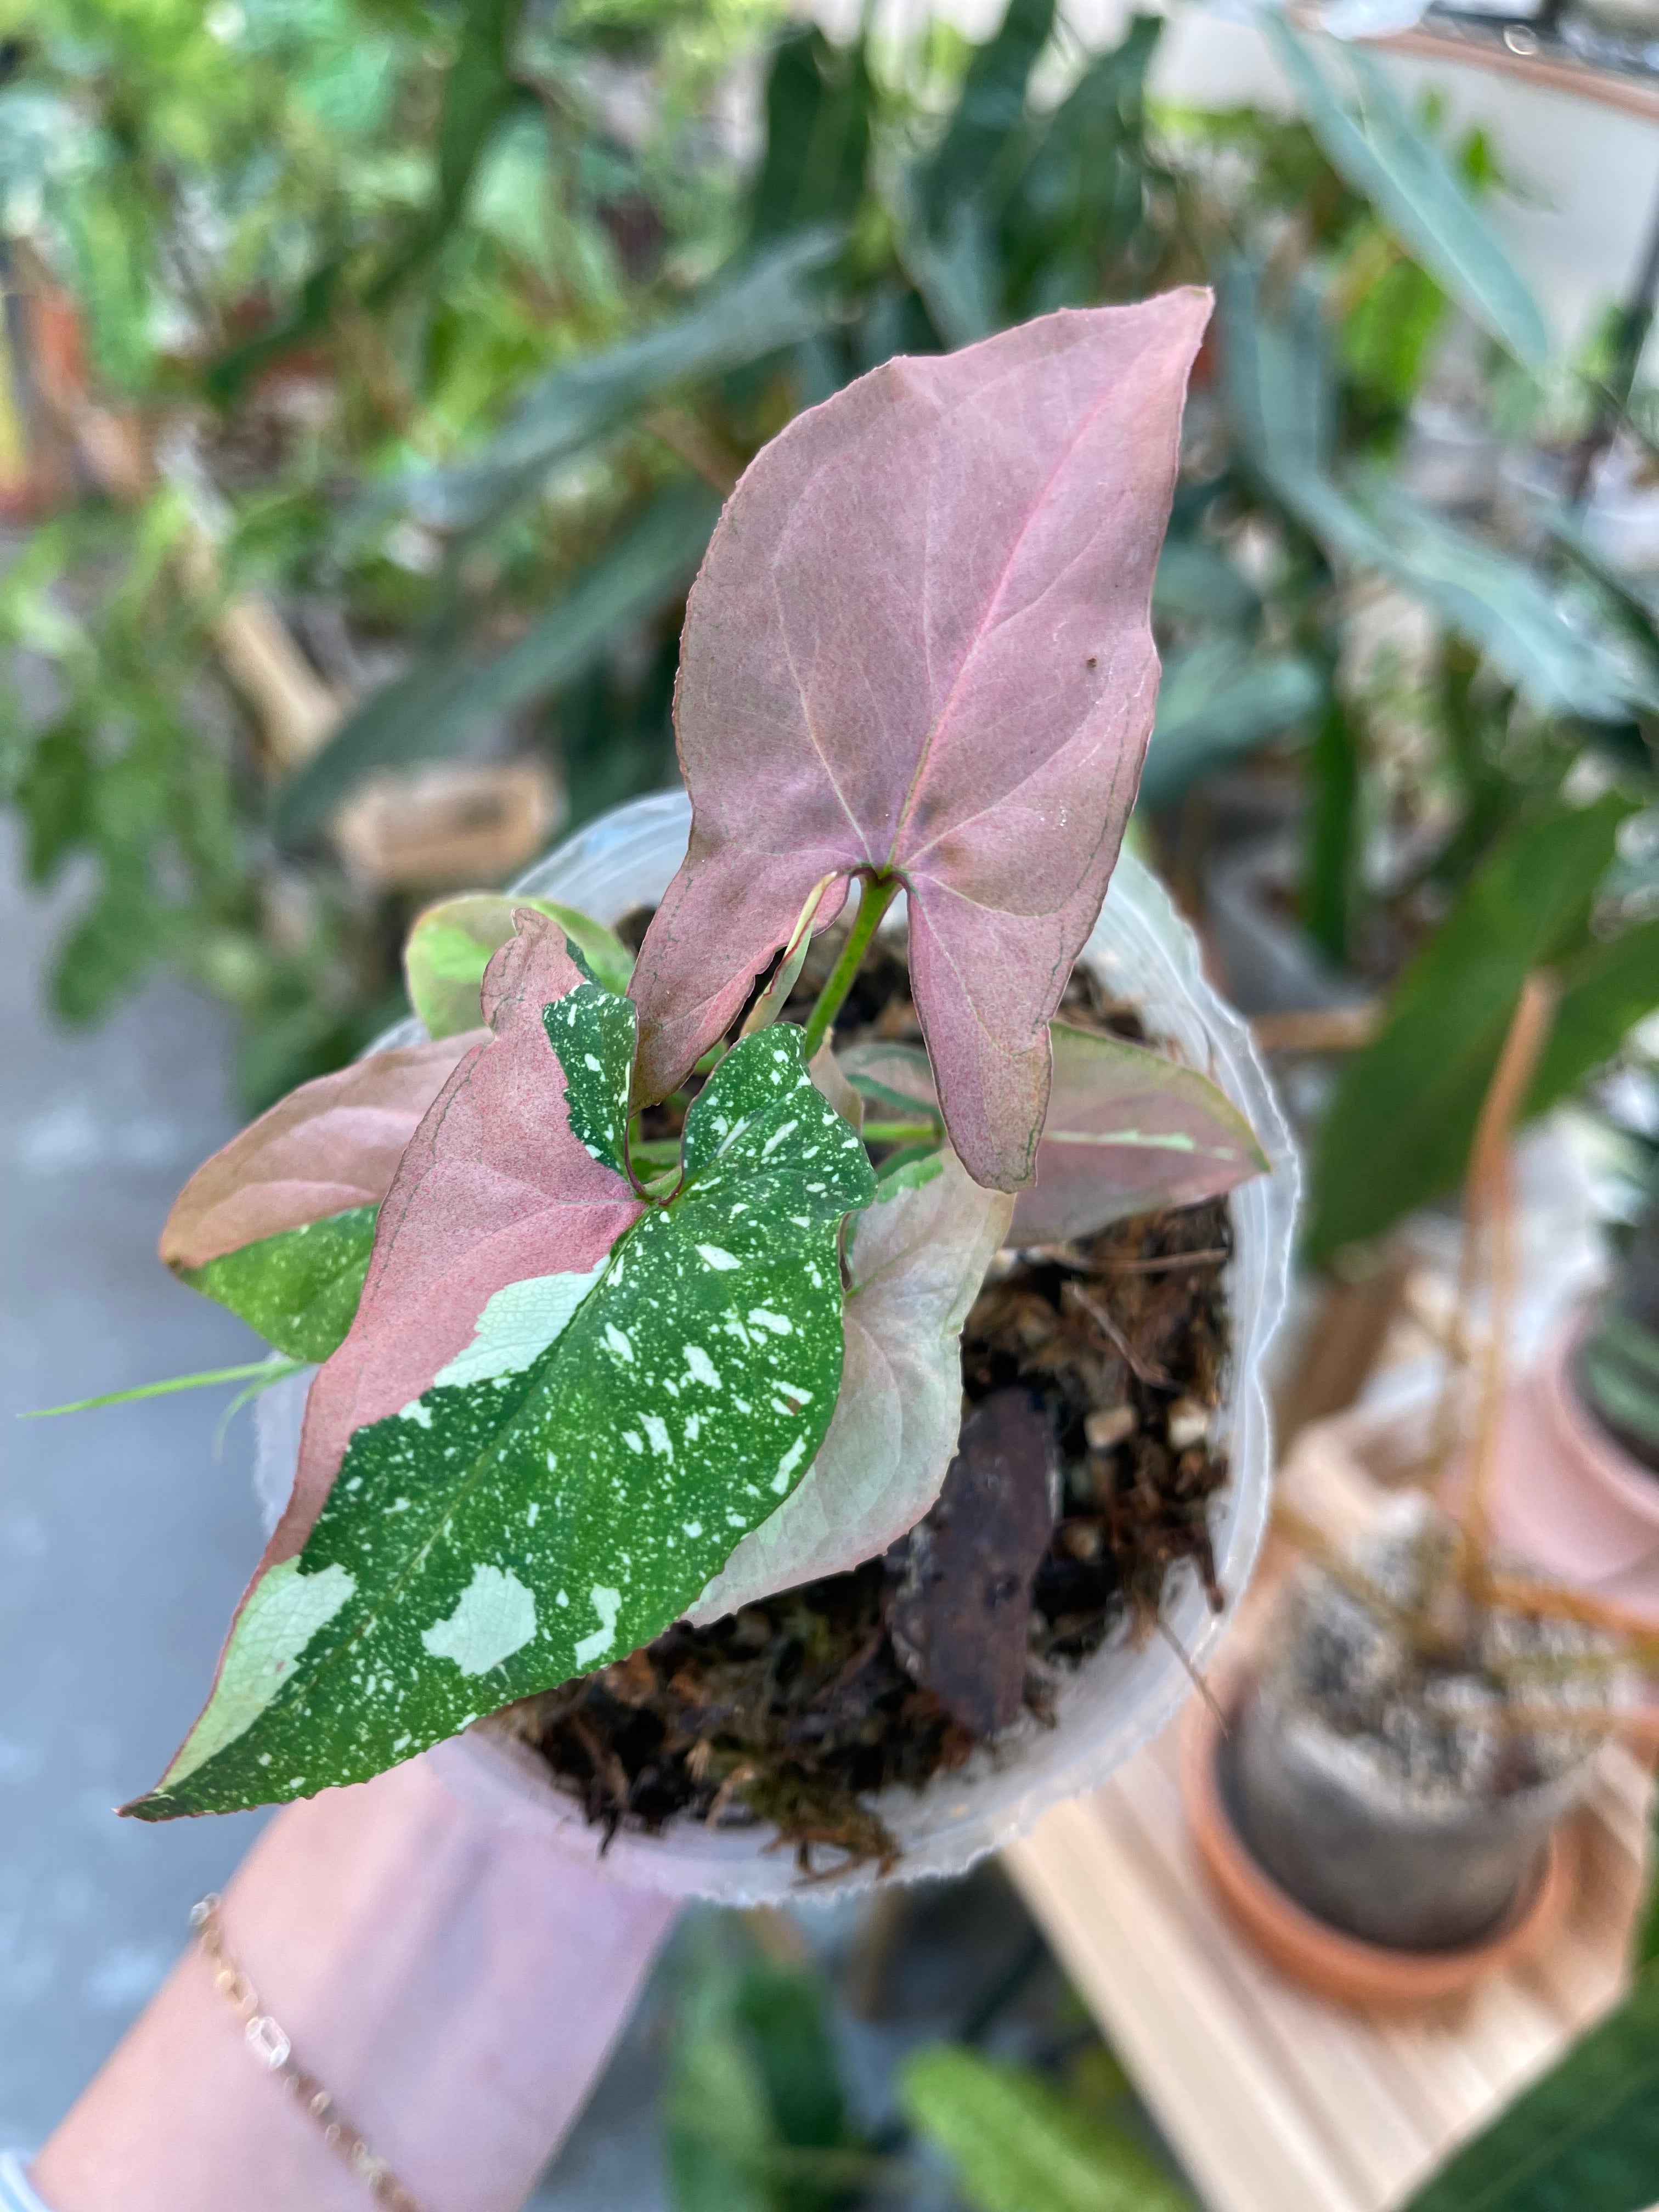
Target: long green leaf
x=1584, y=2139
x=263, y=1370
x=1018, y=2147
x=1399, y=1130
x=1377, y=148
x=773, y=302
x=432, y=710
x=819, y=103
x=1280, y=396
x=987, y=113
x=1218, y=700
x=479, y=89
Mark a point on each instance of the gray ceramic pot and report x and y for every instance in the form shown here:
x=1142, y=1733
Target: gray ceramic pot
x=1349, y=1841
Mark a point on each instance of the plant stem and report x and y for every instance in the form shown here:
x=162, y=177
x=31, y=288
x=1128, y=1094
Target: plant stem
x=899, y=1133
x=878, y=894
x=272, y=1369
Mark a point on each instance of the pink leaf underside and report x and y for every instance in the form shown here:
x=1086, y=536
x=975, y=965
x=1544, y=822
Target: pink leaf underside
x=494, y=1189
x=329, y=1146
x=920, y=641
x=1126, y=1130
x=916, y=1258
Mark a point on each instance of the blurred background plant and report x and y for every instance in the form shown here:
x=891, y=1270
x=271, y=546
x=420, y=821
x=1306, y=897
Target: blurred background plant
x=377, y=369
x=898, y=2066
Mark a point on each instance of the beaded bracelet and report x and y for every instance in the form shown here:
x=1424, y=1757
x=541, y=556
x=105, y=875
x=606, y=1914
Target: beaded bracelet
x=271, y=2047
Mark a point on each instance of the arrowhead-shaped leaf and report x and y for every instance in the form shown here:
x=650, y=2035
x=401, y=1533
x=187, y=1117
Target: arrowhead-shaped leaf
x=278, y=1224
x=635, y=1388
x=451, y=943
x=1128, y=1131
x=916, y=1258
x=919, y=646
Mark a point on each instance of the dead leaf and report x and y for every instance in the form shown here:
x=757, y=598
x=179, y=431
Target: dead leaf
x=962, y=1619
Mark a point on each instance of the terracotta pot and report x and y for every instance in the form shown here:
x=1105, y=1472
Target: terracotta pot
x=1343, y=1968
x=1568, y=1495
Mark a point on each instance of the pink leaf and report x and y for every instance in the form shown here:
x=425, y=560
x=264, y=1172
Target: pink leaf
x=495, y=1188
x=328, y=1146
x=920, y=644
x=915, y=1260
x=1128, y=1131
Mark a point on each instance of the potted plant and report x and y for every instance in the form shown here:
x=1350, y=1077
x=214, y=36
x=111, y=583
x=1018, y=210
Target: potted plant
x=1383, y=1814
x=639, y=1357
x=1382, y=1810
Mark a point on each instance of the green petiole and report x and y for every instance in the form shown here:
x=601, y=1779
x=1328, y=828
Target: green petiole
x=268, y=1370
x=879, y=892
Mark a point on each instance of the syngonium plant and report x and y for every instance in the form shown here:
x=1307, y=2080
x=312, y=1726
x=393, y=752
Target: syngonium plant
x=570, y=1392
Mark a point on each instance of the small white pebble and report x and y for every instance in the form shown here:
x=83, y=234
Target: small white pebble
x=1109, y=1425
x=1188, y=1423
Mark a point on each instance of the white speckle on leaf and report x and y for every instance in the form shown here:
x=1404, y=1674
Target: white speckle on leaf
x=634, y=1442
x=284, y=1610
x=620, y=1343
x=552, y=1463
x=517, y=1326
x=533, y=1514
x=701, y=1368
x=786, y=1466
x=692, y=1527
x=657, y=1429
x=606, y=1604
x=715, y=1256
x=417, y=1412
x=592, y=1060
x=693, y=1427
x=493, y=1617
x=764, y=1317
x=784, y=1129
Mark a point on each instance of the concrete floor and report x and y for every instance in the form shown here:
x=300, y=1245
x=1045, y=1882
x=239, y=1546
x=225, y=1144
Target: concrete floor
x=124, y=1539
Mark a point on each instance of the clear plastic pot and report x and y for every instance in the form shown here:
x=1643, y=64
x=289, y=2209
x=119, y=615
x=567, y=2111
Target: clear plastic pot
x=1129, y=1690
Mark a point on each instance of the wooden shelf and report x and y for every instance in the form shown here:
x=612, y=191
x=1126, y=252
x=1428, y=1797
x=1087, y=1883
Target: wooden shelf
x=1550, y=69
x=1274, y=2100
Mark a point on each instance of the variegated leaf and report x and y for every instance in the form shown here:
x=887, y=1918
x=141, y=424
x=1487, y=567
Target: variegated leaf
x=568, y=1481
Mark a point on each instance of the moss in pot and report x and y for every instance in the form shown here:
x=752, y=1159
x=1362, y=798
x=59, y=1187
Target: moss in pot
x=584, y=1376
x=1405, y=1750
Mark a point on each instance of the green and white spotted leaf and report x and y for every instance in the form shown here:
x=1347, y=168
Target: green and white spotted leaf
x=299, y=1288
x=501, y=1534
x=592, y=1032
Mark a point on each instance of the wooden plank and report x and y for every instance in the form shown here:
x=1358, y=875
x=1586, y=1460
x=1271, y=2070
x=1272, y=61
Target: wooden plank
x=1631, y=94
x=1386, y=2128
x=1132, y=1963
